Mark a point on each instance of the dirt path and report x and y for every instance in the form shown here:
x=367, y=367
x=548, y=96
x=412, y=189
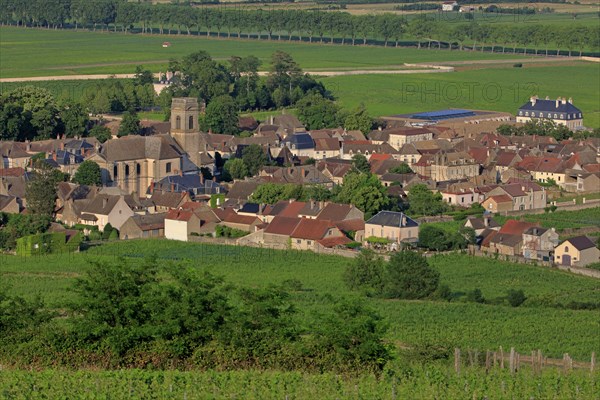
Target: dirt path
x=419, y=68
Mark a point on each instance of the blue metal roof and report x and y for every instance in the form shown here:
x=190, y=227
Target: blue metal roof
x=443, y=114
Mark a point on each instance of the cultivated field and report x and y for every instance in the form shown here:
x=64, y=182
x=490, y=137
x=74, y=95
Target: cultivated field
x=541, y=322
x=499, y=88
x=42, y=52
x=409, y=382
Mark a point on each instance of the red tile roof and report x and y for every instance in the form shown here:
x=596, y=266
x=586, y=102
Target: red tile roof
x=379, y=157
x=282, y=225
x=16, y=171
x=179, y=215
x=334, y=241
x=514, y=227
x=501, y=198
x=292, y=210
x=312, y=229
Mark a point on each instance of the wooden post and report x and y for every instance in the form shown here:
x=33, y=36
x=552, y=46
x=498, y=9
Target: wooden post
x=487, y=361
x=518, y=366
x=593, y=362
x=533, y=358
x=495, y=359
x=501, y=358
x=457, y=360
x=511, y=361
x=540, y=360
x=565, y=355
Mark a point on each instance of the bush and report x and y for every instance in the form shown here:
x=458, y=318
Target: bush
x=443, y=292
x=518, y=65
x=475, y=296
x=409, y=276
x=516, y=297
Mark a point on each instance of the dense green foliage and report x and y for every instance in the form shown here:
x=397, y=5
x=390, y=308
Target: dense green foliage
x=125, y=310
x=15, y=226
x=406, y=276
x=130, y=124
x=423, y=201
x=40, y=190
x=88, y=173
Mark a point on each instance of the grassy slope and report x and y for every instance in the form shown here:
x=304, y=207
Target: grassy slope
x=70, y=52
x=499, y=89
x=456, y=323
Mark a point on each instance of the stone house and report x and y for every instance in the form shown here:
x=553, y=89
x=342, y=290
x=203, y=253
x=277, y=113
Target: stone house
x=578, y=252
x=539, y=243
x=180, y=224
x=308, y=232
x=143, y=226
x=104, y=209
x=395, y=226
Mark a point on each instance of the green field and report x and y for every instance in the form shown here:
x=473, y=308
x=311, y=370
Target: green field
x=539, y=324
x=561, y=219
x=407, y=383
x=498, y=89
x=42, y=52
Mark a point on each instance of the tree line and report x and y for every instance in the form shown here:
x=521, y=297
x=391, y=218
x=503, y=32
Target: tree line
x=303, y=25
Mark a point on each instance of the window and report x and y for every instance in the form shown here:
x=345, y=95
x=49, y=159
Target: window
x=566, y=249
x=115, y=171
x=555, y=116
x=191, y=123
x=178, y=122
x=298, y=241
x=168, y=167
x=126, y=170
x=527, y=114
x=138, y=168
x=520, y=112
x=308, y=242
x=561, y=116
x=145, y=234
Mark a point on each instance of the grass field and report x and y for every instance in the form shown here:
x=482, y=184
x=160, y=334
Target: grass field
x=467, y=325
x=499, y=89
x=41, y=52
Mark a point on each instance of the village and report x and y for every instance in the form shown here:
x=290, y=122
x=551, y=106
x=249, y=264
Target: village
x=168, y=182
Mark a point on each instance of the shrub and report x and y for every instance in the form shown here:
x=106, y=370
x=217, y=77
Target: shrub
x=443, y=292
x=516, y=297
x=409, y=276
x=518, y=65
x=475, y=296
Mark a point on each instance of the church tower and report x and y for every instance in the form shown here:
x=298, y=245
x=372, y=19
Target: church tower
x=184, y=125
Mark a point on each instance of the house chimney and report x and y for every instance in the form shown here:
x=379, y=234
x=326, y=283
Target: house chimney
x=547, y=97
x=570, y=100
x=379, y=128
x=403, y=221
x=104, y=202
x=486, y=221
x=172, y=187
x=82, y=151
x=302, y=172
x=557, y=102
x=533, y=99
x=564, y=101
x=312, y=204
x=201, y=179
x=214, y=178
x=180, y=173
x=62, y=145
x=151, y=187
x=54, y=155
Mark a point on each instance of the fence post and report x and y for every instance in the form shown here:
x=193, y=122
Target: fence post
x=487, y=361
x=501, y=358
x=593, y=362
x=511, y=361
x=540, y=360
x=533, y=357
x=457, y=360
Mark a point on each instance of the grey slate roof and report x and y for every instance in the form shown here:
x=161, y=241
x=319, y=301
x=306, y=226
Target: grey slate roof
x=299, y=141
x=581, y=242
x=392, y=218
x=550, y=106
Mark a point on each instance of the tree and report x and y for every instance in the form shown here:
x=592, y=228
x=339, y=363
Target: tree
x=475, y=296
x=130, y=124
x=254, y=157
x=236, y=168
x=401, y=169
x=516, y=297
x=361, y=163
x=364, y=190
x=88, y=173
x=423, y=201
x=40, y=191
x=142, y=76
x=365, y=272
x=102, y=133
x=359, y=120
x=317, y=112
x=74, y=119
x=409, y=276
x=222, y=116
